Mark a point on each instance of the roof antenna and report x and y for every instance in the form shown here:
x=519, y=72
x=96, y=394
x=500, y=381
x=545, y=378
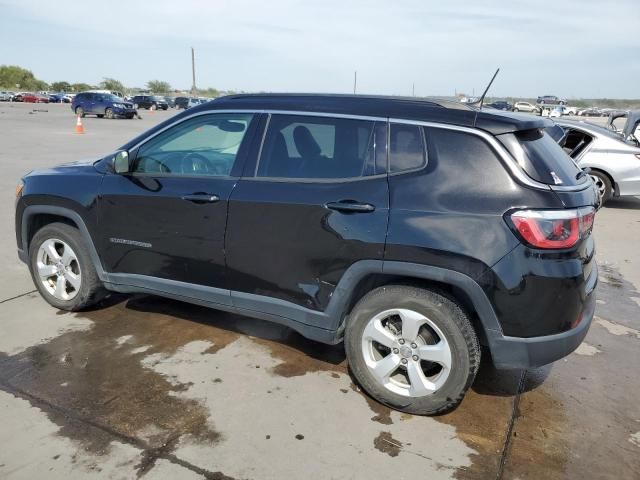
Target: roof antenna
x=481, y=101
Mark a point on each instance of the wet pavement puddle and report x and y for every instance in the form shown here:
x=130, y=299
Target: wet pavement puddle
x=233, y=397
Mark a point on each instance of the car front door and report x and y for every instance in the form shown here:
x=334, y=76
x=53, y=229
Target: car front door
x=316, y=203
x=163, y=223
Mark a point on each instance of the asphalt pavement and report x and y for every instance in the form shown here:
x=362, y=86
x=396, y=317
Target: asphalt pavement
x=153, y=388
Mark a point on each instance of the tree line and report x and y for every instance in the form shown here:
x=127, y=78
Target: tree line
x=13, y=77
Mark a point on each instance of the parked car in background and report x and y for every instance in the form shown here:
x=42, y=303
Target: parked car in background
x=193, y=102
x=150, y=101
x=550, y=100
x=182, y=102
x=552, y=111
x=18, y=96
x=590, y=112
x=101, y=105
x=501, y=105
x=570, y=110
x=525, y=107
x=411, y=260
x=35, y=98
x=59, y=98
x=6, y=96
x=614, y=163
x=171, y=101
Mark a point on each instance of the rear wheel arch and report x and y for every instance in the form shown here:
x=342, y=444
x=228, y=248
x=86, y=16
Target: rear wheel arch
x=457, y=286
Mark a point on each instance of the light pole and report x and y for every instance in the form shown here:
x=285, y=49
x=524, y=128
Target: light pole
x=193, y=71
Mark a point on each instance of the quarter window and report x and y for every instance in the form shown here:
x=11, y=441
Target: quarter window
x=317, y=148
x=204, y=145
x=406, y=148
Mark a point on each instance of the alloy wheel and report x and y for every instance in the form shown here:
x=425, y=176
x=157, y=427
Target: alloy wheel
x=406, y=352
x=602, y=188
x=58, y=269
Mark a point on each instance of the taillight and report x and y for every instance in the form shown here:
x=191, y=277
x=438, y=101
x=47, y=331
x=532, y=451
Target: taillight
x=553, y=229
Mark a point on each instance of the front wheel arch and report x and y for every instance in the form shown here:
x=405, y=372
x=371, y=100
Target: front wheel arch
x=42, y=215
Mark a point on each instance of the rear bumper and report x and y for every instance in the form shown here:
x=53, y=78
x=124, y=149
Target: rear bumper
x=517, y=352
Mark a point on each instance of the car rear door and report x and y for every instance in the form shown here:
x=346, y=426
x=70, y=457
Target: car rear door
x=316, y=203
x=164, y=222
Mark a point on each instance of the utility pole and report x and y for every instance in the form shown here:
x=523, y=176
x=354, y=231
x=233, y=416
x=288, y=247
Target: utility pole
x=413, y=89
x=193, y=71
x=355, y=81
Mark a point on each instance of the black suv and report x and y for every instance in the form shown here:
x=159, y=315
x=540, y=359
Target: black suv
x=501, y=105
x=150, y=101
x=414, y=231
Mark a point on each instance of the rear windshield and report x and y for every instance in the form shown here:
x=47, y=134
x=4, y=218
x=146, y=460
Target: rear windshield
x=542, y=158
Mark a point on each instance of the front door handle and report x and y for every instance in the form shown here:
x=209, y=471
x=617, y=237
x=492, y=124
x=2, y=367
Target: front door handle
x=350, y=206
x=201, y=198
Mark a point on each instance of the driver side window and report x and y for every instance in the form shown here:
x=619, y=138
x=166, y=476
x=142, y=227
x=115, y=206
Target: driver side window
x=204, y=145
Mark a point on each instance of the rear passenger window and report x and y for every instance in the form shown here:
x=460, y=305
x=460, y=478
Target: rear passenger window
x=317, y=148
x=406, y=148
x=541, y=157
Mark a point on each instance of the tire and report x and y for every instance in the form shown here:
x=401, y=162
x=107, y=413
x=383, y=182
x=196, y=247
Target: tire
x=603, y=183
x=442, y=321
x=80, y=112
x=516, y=110
x=108, y=113
x=99, y=115
x=81, y=286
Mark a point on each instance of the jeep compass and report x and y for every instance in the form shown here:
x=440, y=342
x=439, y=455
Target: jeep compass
x=413, y=231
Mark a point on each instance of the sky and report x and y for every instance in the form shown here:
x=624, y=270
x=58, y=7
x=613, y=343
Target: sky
x=569, y=48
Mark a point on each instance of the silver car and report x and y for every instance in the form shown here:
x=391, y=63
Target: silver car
x=614, y=163
x=525, y=107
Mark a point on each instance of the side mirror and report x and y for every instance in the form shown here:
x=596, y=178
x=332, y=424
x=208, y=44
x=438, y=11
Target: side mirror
x=121, y=162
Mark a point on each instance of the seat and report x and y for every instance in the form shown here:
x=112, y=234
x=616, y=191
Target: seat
x=278, y=163
x=312, y=162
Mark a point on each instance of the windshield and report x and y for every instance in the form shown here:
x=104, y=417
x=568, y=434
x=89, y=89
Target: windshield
x=113, y=98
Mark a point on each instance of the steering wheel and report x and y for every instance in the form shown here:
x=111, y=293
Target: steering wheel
x=196, y=164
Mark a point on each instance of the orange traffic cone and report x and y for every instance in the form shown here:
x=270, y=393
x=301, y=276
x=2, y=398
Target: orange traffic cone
x=79, y=127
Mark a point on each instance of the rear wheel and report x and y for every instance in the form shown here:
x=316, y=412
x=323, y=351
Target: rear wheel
x=62, y=269
x=603, y=184
x=80, y=112
x=412, y=349
x=516, y=110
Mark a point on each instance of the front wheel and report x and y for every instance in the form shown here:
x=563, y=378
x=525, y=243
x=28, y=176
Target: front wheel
x=80, y=112
x=412, y=349
x=108, y=113
x=62, y=269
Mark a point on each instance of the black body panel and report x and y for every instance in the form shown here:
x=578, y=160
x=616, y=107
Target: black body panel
x=284, y=243
x=147, y=228
x=278, y=249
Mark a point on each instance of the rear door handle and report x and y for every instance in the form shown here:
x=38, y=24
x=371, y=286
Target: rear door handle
x=350, y=206
x=201, y=198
